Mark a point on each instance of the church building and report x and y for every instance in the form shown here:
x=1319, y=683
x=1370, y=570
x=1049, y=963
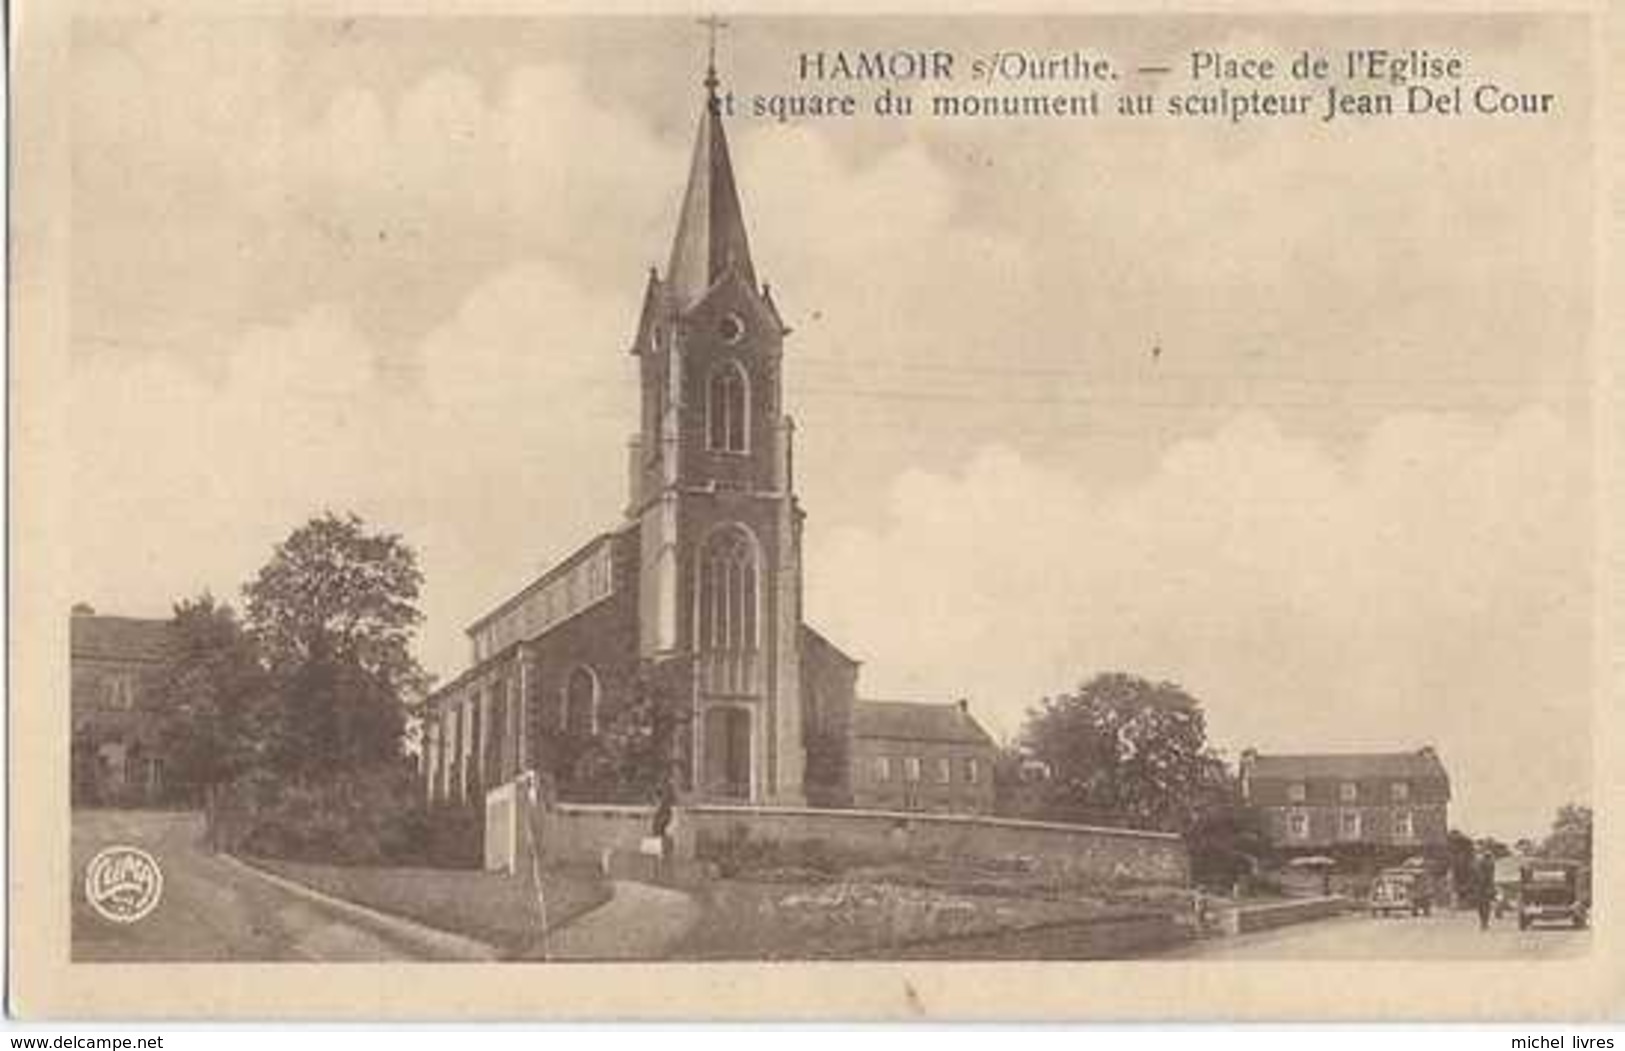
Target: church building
x=699, y=588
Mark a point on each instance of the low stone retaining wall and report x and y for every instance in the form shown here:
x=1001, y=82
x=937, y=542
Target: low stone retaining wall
x=1103, y=939
x=1247, y=918
x=585, y=832
x=1116, y=855
x=590, y=832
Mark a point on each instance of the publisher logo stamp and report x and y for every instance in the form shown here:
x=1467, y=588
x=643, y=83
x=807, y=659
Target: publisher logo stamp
x=123, y=884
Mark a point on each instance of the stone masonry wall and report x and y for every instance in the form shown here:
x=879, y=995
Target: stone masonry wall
x=583, y=833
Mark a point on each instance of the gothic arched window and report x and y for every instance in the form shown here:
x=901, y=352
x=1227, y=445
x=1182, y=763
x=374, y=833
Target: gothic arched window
x=728, y=592
x=581, y=702
x=727, y=405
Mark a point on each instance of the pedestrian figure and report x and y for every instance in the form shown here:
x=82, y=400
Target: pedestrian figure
x=1484, y=886
x=661, y=825
x=663, y=810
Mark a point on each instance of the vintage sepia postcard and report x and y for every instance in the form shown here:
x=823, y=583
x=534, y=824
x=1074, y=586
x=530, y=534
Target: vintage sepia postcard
x=527, y=513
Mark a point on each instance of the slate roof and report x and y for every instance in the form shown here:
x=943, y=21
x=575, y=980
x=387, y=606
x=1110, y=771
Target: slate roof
x=1420, y=765
x=711, y=226
x=811, y=637
x=910, y=721
x=96, y=637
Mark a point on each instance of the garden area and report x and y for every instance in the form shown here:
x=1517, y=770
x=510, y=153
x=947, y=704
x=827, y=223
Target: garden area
x=812, y=900
x=498, y=909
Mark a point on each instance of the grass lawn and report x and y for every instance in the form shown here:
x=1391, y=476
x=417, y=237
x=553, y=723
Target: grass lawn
x=859, y=918
x=492, y=907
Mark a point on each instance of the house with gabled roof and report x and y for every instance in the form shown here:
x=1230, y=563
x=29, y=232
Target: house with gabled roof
x=911, y=756
x=115, y=663
x=1387, y=805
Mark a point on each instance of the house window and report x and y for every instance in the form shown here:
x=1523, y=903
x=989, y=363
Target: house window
x=972, y=771
x=1348, y=791
x=911, y=768
x=1297, y=824
x=883, y=768
x=120, y=692
x=944, y=770
x=1348, y=824
x=1404, y=825
x=1297, y=792
x=726, y=406
x=581, y=702
x=1399, y=791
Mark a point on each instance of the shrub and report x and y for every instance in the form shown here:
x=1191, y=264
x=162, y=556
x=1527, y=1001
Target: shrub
x=741, y=855
x=375, y=817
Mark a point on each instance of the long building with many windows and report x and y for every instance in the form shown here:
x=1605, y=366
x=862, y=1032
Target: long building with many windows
x=1383, y=804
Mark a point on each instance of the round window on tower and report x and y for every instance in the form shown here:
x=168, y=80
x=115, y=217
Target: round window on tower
x=732, y=328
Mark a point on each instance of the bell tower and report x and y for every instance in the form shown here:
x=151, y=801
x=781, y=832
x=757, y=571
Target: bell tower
x=712, y=490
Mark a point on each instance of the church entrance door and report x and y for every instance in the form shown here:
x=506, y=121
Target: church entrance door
x=727, y=753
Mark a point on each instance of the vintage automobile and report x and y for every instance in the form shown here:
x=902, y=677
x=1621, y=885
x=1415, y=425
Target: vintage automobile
x=1402, y=890
x=1554, y=890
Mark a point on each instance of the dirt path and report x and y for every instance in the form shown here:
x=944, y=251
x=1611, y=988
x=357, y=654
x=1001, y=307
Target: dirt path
x=640, y=922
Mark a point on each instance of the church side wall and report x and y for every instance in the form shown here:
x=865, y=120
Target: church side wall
x=604, y=638
x=829, y=684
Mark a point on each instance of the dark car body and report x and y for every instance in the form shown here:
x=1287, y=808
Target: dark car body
x=1554, y=891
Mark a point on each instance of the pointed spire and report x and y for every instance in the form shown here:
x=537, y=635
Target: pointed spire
x=711, y=228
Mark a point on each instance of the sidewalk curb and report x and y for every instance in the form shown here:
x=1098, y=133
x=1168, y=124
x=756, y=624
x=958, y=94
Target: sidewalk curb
x=432, y=941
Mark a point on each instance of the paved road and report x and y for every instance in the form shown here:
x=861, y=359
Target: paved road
x=1442, y=936
x=211, y=909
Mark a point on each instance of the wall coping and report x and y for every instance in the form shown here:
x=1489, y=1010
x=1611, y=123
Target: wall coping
x=642, y=810
x=1292, y=904
x=606, y=809
x=916, y=815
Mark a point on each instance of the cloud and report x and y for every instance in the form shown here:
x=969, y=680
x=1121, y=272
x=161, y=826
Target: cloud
x=183, y=482
x=213, y=187
x=1430, y=590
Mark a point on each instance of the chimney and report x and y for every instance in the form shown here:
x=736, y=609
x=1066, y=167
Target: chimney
x=83, y=609
x=964, y=705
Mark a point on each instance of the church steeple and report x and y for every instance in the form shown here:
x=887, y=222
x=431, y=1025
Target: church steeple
x=711, y=228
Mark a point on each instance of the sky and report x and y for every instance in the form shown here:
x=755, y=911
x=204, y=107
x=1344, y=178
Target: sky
x=393, y=266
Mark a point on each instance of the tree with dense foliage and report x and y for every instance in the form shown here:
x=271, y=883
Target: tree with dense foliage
x=1125, y=750
x=216, y=717
x=636, y=755
x=333, y=613
x=1226, y=839
x=1019, y=783
x=1571, y=834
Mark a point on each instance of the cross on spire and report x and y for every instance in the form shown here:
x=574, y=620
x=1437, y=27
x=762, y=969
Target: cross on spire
x=713, y=25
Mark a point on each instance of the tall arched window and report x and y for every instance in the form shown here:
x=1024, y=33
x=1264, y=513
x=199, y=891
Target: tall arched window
x=728, y=592
x=726, y=407
x=729, y=601
x=581, y=701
